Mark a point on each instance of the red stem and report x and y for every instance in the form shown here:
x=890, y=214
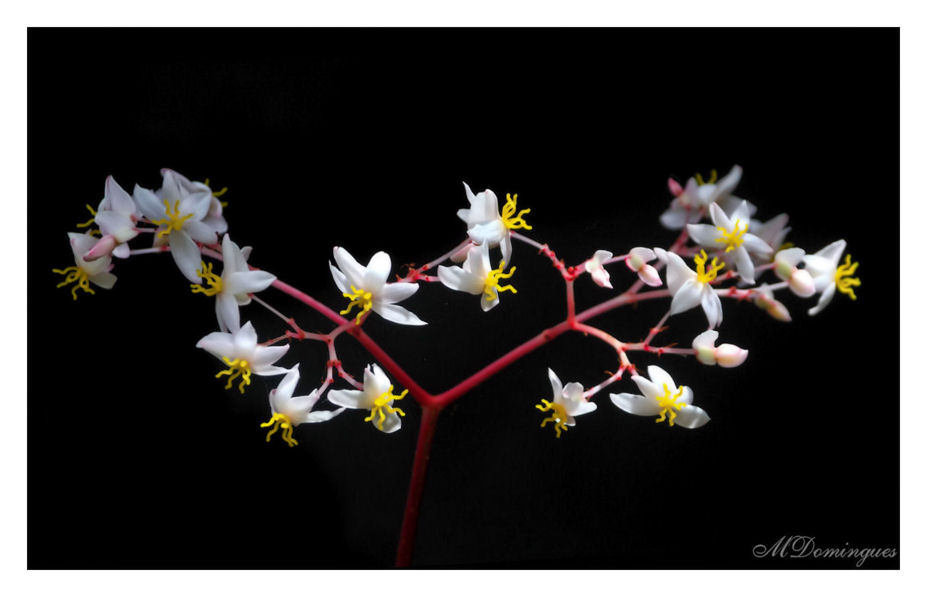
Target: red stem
x=426, y=432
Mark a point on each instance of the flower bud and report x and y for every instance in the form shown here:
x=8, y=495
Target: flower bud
x=776, y=310
x=674, y=187
x=102, y=248
x=801, y=283
x=649, y=275
x=729, y=355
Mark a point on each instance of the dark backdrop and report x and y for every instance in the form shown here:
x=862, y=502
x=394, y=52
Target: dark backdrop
x=139, y=459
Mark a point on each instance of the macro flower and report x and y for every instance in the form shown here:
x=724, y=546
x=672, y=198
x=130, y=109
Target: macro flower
x=662, y=397
x=477, y=277
x=786, y=268
x=772, y=232
x=241, y=352
x=637, y=261
x=689, y=202
x=731, y=235
x=368, y=290
x=289, y=411
x=177, y=186
x=726, y=355
x=82, y=273
x=179, y=224
x=116, y=216
x=233, y=288
x=690, y=288
x=828, y=276
x=486, y=225
x=377, y=397
x=568, y=403
x=598, y=272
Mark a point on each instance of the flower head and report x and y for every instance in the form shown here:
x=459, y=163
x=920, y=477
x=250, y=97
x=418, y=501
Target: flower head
x=477, y=277
x=828, y=276
x=241, y=352
x=567, y=404
x=486, y=225
x=368, y=290
x=83, y=272
x=234, y=287
x=731, y=234
x=662, y=397
x=689, y=202
x=377, y=397
x=289, y=411
x=690, y=288
x=176, y=186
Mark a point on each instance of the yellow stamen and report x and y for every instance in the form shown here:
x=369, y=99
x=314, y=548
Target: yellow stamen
x=712, y=180
x=173, y=221
x=491, y=288
x=733, y=238
x=669, y=403
x=559, y=416
x=78, y=276
x=213, y=280
x=842, y=277
x=713, y=269
x=359, y=298
x=238, y=367
x=508, y=210
x=382, y=406
x=90, y=221
x=280, y=421
x=219, y=193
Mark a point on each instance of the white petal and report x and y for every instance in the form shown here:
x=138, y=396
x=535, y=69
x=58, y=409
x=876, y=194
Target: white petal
x=602, y=255
x=659, y=377
x=791, y=256
x=397, y=314
x=218, y=344
x=245, y=339
x=706, y=339
x=353, y=271
x=186, y=254
x=80, y=243
x=649, y=275
x=555, y=384
x=227, y=313
x=677, y=272
x=200, y=232
x=705, y=235
x=825, y=299
x=675, y=218
x=691, y=417
x=688, y=296
x=581, y=407
x=264, y=356
x=340, y=280
x=397, y=291
x=391, y=424
x=122, y=251
x=601, y=277
x=103, y=279
x=149, y=204
x=744, y=264
x=117, y=225
x=197, y=204
x=287, y=385
x=649, y=389
x=348, y=398
x=712, y=306
x=727, y=184
x=757, y=245
x=245, y=282
x=457, y=278
x=464, y=214
x=320, y=416
x=377, y=272
x=643, y=253
x=833, y=251
x=489, y=232
x=506, y=245
x=635, y=404
x=720, y=218
x=119, y=199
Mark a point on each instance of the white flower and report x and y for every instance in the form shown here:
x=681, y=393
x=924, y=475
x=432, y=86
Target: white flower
x=731, y=235
x=828, y=277
x=786, y=268
x=598, y=272
x=662, y=397
x=477, y=277
x=486, y=225
x=232, y=289
x=290, y=411
x=177, y=186
x=83, y=272
x=697, y=195
x=637, y=261
x=772, y=232
x=116, y=217
x=377, y=397
x=368, y=290
x=180, y=223
x=241, y=352
x=568, y=403
x=690, y=288
x=726, y=355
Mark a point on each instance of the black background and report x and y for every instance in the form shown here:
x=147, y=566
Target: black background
x=139, y=459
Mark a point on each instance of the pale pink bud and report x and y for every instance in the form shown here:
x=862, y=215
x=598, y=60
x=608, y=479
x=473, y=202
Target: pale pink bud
x=729, y=355
x=649, y=275
x=801, y=283
x=674, y=187
x=102, y=248
x=775, y=309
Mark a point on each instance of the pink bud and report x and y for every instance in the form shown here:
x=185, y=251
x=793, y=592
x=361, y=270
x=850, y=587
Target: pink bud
x=778, y=311
x=729, y=355
x=649, y=275
x=801, y=283
x=102, y=248
x=674, y=187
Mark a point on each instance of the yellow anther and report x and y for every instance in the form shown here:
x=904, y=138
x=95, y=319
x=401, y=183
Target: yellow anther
x=843, y=280
x=559, y=416
x=90, y=221
x=238, y=367
x=733, y=238
x=711, y=180
x=491, y=288
x=359, y=298
x=78, y=276
x=382, y=406
x=705, y=277
x=213, y=280
x=508, y=210
x=218, y=193
x=669, y=404
x=173, y=221
x=280, y=421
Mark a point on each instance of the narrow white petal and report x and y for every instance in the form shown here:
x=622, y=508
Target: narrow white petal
x=397, y=291
x=757, y=245
x=218, y=344
x=457, y=278
x=391, y=424
x=200, y=232
x=825, y=299
x=245, y=282
x=377, y=272
x=103, y=279
x=555, y=384
x=340, y=280
x=705, y=235
x=833, y=251
x=287, y=385
x=149, y=204
x=186, y=254
x=720, y=218
x=397, y=314
x=347, y=398
x=706, y=339
x=691, y=417
x=119, y=199
x=227, y=313
x=264, y=356
x=744, y=264
x=712, y=306
x=688, y=296
x=487, y=304
x=353, y=271
x=320, y=416
x=659, y=377
x=635, y=404
x=506, y=245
